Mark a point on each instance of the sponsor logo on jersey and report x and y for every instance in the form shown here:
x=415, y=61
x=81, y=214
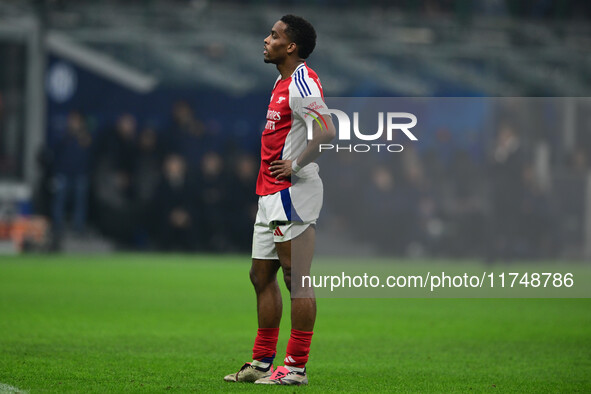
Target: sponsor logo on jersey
x=273, y=115
x=270, y=125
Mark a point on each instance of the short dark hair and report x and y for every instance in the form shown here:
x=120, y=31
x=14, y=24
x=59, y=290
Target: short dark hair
x=302, y=33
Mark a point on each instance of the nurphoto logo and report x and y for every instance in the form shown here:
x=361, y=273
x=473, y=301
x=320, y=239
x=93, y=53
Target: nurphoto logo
x=390, y=122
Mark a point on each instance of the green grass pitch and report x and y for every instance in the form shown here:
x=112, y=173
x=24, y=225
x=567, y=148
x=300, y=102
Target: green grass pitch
x=157, y=323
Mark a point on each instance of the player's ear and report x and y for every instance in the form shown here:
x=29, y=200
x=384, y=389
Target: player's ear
x=291, y=48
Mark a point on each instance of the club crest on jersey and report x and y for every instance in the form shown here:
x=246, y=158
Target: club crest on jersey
x=281, y=99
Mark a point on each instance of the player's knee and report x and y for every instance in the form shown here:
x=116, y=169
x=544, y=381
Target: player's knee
x=260, y=280
x=254, y=278
x=287, y=277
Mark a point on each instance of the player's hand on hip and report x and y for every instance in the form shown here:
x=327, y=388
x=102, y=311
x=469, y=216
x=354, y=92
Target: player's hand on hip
x=280, y=169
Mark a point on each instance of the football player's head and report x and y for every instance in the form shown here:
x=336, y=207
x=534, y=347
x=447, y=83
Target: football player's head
x=290, y=36
x=302, y=33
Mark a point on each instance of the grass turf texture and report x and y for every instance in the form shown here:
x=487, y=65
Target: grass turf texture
x=153, y=323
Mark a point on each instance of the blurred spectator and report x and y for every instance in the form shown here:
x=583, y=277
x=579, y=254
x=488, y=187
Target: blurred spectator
x=116, y=211
x=391, y=211
x=535, y=218
x=242, y=201
x=188, y=136
x=507, y=171
x=72, y=156
x=146, y=176
x=465, y=236
x=9, y=156
x=570, y=202
x=345, y=171
x=444, y=151
x=43, y=193
x=124, y=147
x=148, y=165
x=214, y=191
x=119, y=144
x=175, y=207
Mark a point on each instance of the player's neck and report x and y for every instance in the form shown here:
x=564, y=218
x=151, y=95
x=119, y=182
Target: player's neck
x=287, y=68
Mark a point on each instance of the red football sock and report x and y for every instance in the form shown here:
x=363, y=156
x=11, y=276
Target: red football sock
x=298, y=348
x=265, y=344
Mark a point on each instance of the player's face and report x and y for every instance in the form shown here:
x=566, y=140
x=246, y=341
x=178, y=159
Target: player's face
x=276, y=44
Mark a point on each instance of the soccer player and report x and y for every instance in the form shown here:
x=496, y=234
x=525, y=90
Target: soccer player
x=290, y=197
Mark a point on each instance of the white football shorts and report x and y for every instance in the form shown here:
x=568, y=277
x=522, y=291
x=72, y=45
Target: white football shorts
x=286, y=214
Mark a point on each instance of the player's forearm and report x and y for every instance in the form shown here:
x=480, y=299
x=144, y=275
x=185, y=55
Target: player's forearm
x=311, y=152
x=320, y=136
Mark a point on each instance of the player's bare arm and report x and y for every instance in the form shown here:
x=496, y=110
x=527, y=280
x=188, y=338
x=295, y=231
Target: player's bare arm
x=283, y=168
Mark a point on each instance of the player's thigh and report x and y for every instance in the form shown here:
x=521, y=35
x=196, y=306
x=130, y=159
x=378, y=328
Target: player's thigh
x=296, y=256
x=296, y=253
x=263, y=245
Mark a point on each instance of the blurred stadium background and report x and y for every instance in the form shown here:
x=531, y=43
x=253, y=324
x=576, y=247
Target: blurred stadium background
x=134, y=125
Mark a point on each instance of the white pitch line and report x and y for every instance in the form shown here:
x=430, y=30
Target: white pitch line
x=8, y=389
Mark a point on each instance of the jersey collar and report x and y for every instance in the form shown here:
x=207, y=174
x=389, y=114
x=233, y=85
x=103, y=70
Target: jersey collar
x=298, y=68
